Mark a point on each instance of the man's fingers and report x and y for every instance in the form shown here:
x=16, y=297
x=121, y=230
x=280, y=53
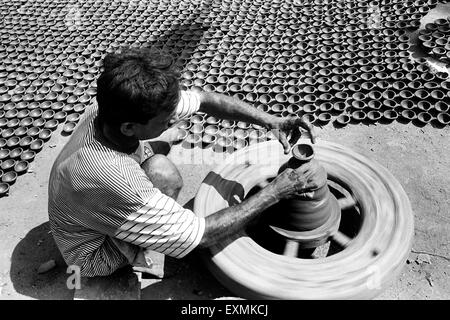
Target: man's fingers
x=308, y=127
x=304, y=168
x=296, y=134
x=284, y=142
x=281, y=136
x=313, y=134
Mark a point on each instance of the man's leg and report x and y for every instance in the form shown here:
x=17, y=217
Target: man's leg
x=164, y=175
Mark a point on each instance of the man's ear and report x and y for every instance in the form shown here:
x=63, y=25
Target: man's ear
x=127, y=129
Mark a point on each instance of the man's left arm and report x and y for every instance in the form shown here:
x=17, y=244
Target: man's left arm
x=230, y=108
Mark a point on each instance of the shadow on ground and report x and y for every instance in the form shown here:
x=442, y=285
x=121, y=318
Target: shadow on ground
x=36, y=248
x=191, y=280
x=188, y=277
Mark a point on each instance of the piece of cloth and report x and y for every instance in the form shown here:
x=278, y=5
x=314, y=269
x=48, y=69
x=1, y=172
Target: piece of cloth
x=103, y=209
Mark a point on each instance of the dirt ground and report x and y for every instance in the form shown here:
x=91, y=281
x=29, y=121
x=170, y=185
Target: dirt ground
x=419, y=157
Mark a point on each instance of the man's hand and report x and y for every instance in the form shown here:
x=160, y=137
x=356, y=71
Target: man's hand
x=292, y=183
x=283, y=127
x=163, y=143
x=171, y=135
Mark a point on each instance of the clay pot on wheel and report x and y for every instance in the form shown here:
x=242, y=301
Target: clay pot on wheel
x=305, y=213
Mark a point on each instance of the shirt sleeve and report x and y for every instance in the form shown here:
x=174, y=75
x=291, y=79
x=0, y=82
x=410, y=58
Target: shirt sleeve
x=163, y=225
x=189, y=103
x=130, y=209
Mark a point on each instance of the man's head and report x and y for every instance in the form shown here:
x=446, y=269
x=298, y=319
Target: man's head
x=138, y=91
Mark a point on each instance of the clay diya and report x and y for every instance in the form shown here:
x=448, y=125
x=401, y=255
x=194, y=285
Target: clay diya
x=37, y=145
x=74, y=117
x=4, y=188
x=239, y=144
x=374, y=115
x=15, y=153
x=36, y=113
x=57, y=106
x=343, y=119
x=23, y=114
x=28, y=155
x=26, y=122
x=212, y=130
x=13, y=123
x=12, y=142
x=212, y=120
x=45, y=134
x=38, y=123
x=359, y=115
x=3, y=121
x=20, y=131
x=48, y=114
x=7, y=133
x=192, y=140
x=21, y=167
x=309, y=118
x=208, y=139
x=228, y=124
x=25, y=142
x=408, y=115
x=424, y=117
x=60, y=116
x=69, y=127
x=7, y=164
x=51, y=124
x=4, y=153
x=224, y=142
x=79, y=108
x=184, y=124
x=9, y=177
x=324, y=117
x=443, y=118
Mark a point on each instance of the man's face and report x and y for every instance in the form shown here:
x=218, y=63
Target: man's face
x=154, y=127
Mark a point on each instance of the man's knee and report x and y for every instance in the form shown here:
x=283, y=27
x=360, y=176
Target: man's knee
x=163, y=174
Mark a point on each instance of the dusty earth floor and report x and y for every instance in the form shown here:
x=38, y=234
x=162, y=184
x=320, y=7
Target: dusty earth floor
x=419, y=157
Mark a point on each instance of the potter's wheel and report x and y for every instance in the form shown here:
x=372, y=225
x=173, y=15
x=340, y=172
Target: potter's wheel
x=359, y=259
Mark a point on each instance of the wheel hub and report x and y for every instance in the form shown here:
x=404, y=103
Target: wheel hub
x=311, y=238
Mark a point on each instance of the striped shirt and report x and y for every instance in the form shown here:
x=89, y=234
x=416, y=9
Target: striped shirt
x=100, y=200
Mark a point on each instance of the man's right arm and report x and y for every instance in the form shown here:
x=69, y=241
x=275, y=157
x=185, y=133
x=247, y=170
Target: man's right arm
x=288, y=184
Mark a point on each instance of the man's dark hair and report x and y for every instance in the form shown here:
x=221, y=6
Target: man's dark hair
x=136, y=85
